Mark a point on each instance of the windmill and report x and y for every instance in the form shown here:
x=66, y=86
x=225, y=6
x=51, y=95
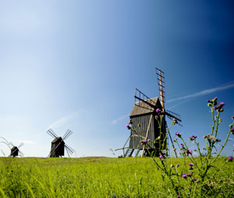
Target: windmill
x=14, y=149
x=58, y=144
x=143, y=114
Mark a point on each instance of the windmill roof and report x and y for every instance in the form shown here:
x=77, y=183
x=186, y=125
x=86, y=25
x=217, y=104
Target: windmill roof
x=141, y=107
x=57, y=139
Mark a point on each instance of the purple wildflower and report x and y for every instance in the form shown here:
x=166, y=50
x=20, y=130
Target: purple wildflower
x=182, y=146
x=232, y=130
x=233, y=117
x=161, y=157
x=178, y=196
x=219, y=107
x=184, y=175
x=221, y=104
x=194, y=179
x=190, y=164
x=157, y=110
x=193, y=137
x=230, y=158
x=143, y=141
x=189, y=152
x=128, y=126
x=178, y=134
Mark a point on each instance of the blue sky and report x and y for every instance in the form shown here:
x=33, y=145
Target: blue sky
x=76, y=65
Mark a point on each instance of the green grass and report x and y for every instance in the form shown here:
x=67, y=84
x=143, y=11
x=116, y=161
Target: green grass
x=102, y=177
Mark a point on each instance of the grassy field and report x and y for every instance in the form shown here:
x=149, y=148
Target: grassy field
x=102, y=177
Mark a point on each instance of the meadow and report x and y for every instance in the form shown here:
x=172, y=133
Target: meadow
x=105, y=177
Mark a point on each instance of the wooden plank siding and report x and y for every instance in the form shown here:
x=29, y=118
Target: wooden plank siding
x=140, y=114
x=143, y=120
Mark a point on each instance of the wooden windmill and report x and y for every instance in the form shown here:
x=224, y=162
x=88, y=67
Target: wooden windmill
x=58, y=144
x=14, y=149
x=143, y=114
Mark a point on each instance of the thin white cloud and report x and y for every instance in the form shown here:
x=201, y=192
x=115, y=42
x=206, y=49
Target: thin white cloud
x=204, y=92
x=28, y=142
x=120, y=118
x=63, y=120
x=68, y=119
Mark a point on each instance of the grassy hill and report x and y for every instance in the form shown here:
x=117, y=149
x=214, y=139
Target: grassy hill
x=102, y=177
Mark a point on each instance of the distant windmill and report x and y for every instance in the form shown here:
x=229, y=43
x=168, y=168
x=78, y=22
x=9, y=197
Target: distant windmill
x=14, y=149
x=58, y=144
x=143, y=114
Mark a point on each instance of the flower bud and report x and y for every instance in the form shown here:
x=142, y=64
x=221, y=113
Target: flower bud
x=232, y=131
x=230, y=159
x=128, y=127
x=174, y=121
x=178, y=134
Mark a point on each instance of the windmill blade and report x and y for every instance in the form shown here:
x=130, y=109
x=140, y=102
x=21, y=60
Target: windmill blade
x=67, y=151
x=172, y=115
x=12, y=145
x=20, y=153
x=161, y=85
x=21, y=145
x=3, y=153
x=141, y=97
x=67, y=134
x=52, y=133
x=6, y=142
x=71, y=150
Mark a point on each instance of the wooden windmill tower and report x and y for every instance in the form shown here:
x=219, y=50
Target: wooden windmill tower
x=14, y=149
x=143, y=114
x=58, y=144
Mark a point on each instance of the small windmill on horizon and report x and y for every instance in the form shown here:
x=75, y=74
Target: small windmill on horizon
x=14, y=149
x=58, y=144
x=143, y=113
